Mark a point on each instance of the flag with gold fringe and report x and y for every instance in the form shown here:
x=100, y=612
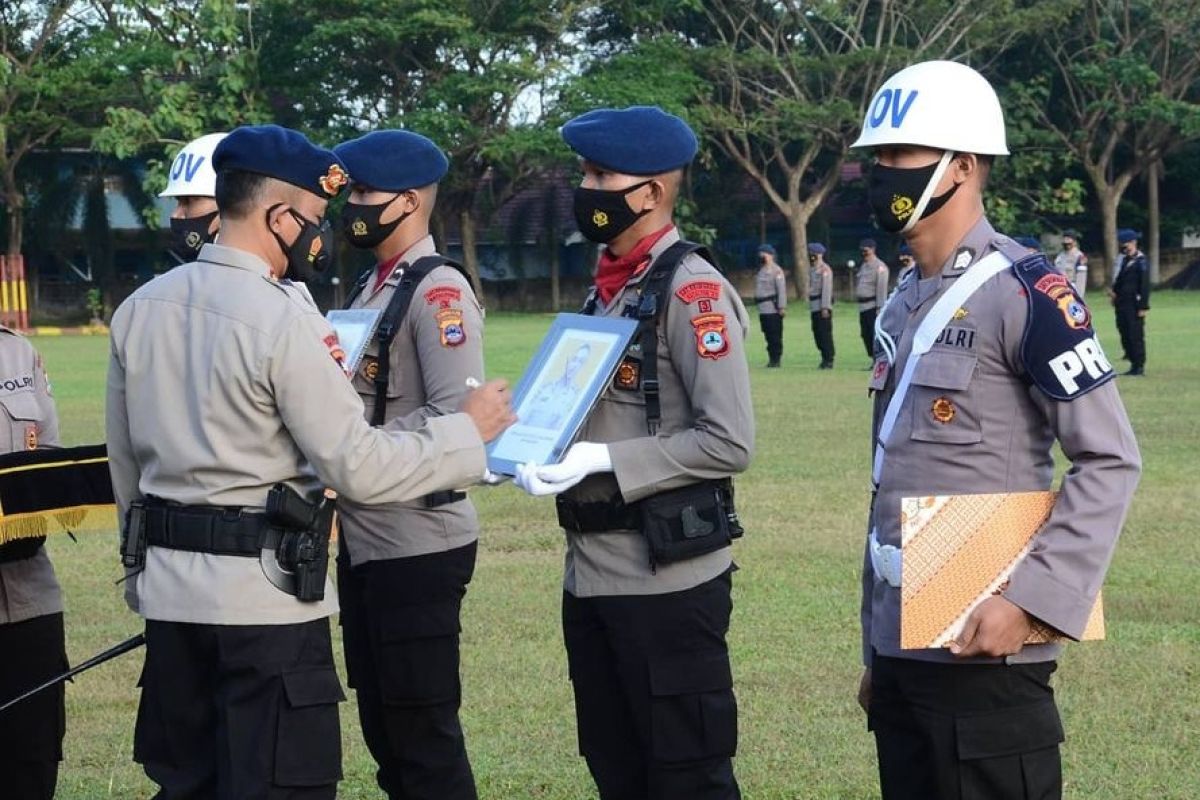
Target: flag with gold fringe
x=55, y=490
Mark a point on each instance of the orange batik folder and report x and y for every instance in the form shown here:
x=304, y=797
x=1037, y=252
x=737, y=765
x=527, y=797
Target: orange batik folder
x=958, y=550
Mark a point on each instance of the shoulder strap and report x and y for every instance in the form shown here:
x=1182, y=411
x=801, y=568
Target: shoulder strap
x=937, y=319
x=359, y=285
x=653, y=298
x=393, y=315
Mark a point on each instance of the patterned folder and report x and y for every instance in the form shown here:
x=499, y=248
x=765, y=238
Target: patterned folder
x=960, y=549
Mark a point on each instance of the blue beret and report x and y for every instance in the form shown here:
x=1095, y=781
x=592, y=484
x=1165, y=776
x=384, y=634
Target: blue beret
x=867, y=243
x=282, y=154
x=1128, y=235
x=766, y=248
x=393, y=161
x=816, y=248
x=1071, y=233
x=640, y=140
x=905, y=250
x=1028, y=241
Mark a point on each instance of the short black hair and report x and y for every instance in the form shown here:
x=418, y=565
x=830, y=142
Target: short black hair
x=238, y=192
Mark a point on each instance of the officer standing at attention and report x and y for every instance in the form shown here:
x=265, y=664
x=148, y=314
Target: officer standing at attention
x=770, y=295
x=907, y=265
x=820, y=302
x=227, y=394
x=984, y=362
x=646, y=494
x=1072, y=262
x=1130, y=296
x=871, y=291
x=408, y=563
x=31, y=607
x=192, y=182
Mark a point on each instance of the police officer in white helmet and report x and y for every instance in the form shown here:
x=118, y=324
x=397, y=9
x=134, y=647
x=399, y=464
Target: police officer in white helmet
x=192, y=182
x=984, y=357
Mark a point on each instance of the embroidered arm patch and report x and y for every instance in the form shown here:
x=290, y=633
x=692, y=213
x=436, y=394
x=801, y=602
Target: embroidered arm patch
x=1059, y=348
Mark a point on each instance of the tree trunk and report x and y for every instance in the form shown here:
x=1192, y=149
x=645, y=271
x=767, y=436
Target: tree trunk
x=470, y=255
x=555, y=271
x=1109, y=198
x=1152, y=230
x=798, y=225
x=16, y=218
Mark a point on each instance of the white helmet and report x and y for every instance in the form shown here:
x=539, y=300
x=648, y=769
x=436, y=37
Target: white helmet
x=938, y=104
x=191, y=172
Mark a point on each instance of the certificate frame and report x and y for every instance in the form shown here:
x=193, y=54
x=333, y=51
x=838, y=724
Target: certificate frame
x=354, y=328
x=572, y=368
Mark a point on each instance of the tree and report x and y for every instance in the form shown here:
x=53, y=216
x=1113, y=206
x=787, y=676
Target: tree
x=56, y=75
x=1121, y=92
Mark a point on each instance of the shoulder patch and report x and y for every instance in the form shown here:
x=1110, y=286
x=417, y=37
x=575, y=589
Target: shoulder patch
x=1059, y=348
x=712, y=340
x=335, y=350
x=443, y=296
x=450, y=326
x=699, y=290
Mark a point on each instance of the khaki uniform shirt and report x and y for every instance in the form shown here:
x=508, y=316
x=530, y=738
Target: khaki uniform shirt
x=28, y=587
x=438, y=345
x=820, y=286
x=871, y=289
x=769, y=283
x=999, y=437
x=223, y=382
x=1073, y=264
x=706, y=432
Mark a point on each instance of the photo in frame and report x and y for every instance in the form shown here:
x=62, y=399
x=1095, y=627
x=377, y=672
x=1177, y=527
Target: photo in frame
x=572, y=368
x=354, y=329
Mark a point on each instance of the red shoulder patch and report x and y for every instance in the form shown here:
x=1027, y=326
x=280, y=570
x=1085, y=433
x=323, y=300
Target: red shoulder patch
x=712, y=341
x=335, y=350
x=699, y=290
x=443, y=296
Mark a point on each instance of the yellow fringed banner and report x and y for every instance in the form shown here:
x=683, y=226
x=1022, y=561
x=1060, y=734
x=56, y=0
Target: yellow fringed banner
x=43, y=492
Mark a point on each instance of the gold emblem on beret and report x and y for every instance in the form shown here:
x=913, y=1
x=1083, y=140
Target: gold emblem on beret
x=943, y=410
x=599, y=218
x=333, y=180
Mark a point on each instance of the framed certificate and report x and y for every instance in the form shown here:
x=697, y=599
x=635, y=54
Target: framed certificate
x=570, y=371
x=354, y=329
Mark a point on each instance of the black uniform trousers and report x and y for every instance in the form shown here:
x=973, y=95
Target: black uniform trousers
x=31, y=732
x=654, y=702
x=1133, y=333
x=965, y=731
x=822, y=328
x=240, y=711
x=772, y=328
x=400, y=628
x=866, y=329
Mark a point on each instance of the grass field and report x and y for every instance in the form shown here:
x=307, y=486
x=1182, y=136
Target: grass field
x=1131, y=704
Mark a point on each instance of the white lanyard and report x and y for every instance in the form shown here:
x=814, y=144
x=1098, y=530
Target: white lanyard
x=931, y=327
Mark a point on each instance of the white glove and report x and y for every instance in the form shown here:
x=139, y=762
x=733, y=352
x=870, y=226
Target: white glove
x=583, y=459
x=493, y=479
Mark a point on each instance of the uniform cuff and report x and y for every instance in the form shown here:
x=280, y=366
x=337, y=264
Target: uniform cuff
x=634, y=459
x=1043, y=597
x=463, y=455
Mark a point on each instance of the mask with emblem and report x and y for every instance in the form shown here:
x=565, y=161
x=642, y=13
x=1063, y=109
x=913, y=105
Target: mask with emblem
x=603, y=215
x=895, y=194
x=309, y=253
x=361, y=225
x=190, y=234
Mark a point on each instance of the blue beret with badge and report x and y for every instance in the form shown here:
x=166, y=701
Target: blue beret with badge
x=816, y=248
x=283, y=154
x=640, y=140
x=393, y=160
x=1126, y=235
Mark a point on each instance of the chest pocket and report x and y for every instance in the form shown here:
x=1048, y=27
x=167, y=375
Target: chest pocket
x=943, y=409
x=19, y=424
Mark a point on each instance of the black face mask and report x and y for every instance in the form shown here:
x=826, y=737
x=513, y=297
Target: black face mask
x=189, y=235
x=361, y=226
x=309, y=253
x=604, y=215
x=893, y=194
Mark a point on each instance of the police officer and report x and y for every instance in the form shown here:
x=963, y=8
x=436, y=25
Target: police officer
x=1130, y=295
x=871, y=291
x=770, y=296
x=31, y=606
x=225, y=381
x=1072, y=261
x=904, y=258
x=820, y=302
x=408, y=563
x=192, y=182
x=645, y=496
x=978, y=412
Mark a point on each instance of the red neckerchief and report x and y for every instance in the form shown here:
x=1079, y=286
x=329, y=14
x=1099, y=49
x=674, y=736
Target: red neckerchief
x=385, y=269
x=613, y=272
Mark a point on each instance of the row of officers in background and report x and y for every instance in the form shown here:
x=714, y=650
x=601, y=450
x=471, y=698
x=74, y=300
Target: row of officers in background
x=1129, y=292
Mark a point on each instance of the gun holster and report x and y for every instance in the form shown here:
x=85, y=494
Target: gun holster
x=133, y=536
x=295, y=550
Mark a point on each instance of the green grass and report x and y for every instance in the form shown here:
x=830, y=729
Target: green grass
x=1131, y=704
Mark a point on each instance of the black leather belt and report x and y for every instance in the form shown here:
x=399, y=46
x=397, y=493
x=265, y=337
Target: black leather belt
x=596, y=517
x=206, y=529
x=436, y=499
